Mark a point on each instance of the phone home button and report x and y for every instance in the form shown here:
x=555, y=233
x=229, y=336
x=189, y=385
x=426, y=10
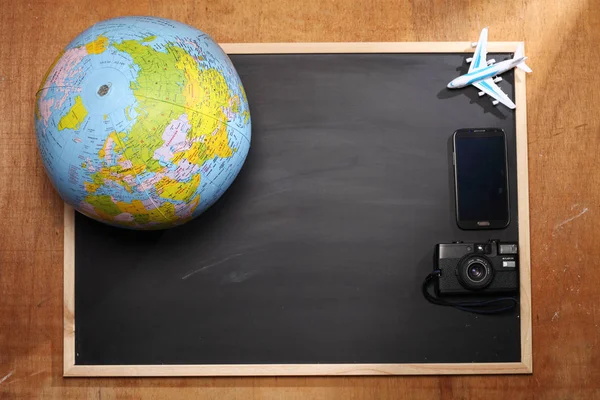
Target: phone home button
x=483, y=223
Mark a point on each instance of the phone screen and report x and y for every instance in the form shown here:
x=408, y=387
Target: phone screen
x=481, y=179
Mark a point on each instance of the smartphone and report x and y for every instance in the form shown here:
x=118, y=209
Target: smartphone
x=481, y=178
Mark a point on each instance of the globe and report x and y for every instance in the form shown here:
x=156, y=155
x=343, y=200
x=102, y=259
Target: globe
x=142, y=122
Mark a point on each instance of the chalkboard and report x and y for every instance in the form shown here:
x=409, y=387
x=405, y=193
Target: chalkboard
x=312, y=261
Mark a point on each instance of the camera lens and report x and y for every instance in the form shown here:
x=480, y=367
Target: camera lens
x=476, y=272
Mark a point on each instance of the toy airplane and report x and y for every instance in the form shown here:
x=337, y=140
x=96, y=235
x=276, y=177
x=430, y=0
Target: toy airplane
x=484, y=74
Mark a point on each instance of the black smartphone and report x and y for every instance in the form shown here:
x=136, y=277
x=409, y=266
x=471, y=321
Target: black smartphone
x=481, y=178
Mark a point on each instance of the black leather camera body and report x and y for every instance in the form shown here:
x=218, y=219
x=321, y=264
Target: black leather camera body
x=469, y=268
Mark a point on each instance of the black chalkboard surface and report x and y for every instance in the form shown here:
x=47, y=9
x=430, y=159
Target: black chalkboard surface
x=316, y=253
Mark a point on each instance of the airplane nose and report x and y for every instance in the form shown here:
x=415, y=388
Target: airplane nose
x=450, y=85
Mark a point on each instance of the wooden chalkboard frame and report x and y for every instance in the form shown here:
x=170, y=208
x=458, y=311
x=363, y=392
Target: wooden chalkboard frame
x=523, y=367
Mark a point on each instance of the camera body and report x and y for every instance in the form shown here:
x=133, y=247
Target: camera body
x=467, y=268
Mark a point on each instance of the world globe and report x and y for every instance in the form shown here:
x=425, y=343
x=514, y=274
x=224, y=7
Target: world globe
x=142, y=122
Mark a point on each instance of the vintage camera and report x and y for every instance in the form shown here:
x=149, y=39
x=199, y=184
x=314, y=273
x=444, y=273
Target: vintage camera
x=466, y=268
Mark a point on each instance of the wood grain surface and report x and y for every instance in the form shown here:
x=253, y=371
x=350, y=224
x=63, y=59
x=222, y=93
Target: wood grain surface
x=564, y=142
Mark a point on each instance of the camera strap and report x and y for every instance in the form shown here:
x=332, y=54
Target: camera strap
x=491, y=306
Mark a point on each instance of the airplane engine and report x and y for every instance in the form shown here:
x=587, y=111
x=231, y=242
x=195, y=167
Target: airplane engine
x=481, y=94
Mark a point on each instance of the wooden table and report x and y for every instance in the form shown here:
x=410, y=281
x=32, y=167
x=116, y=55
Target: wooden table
x=564, y=144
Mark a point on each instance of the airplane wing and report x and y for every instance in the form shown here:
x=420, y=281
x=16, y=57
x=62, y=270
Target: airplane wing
x=480, y=56
x=491, y=89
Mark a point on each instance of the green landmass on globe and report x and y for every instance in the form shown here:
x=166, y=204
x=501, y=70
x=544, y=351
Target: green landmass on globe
x=142, y=122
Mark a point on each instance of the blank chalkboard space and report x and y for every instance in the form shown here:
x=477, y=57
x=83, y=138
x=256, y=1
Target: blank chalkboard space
x=317, y=252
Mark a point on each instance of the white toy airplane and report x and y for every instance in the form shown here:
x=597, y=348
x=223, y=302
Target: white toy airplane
x=483, y=74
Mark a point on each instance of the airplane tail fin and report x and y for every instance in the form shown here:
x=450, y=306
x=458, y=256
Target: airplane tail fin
x=519, y=54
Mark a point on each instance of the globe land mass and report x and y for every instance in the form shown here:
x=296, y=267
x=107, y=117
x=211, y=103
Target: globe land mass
x=97, y=46
x=199, y=95
x=59, y=68
x=74, y=117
